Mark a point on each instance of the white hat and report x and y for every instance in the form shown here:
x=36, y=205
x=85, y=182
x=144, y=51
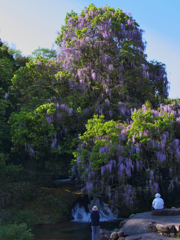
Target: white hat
x=157, y=195
x=95, y=208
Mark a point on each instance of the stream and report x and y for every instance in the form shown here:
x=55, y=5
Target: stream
x=70, y=230
x=76, y=229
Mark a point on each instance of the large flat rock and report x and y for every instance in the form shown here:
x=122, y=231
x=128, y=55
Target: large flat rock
x=139, y=223
x=166, y=212
x=148, y=236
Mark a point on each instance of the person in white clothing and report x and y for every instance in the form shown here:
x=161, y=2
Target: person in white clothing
x=158, y=202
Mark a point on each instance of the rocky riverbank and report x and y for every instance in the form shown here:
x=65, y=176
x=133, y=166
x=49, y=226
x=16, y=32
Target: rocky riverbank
x=145, y=226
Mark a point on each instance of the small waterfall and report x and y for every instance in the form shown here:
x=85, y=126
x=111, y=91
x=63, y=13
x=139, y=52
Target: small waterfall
x=67, y=180
x=80, y=215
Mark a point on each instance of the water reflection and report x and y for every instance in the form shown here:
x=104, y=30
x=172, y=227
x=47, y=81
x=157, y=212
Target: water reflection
x=69, y=231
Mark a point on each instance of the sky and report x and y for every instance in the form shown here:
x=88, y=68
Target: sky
x=28, y=24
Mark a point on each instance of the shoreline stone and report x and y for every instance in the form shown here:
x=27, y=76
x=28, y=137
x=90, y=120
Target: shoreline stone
x=146, y=226
x=166, y=212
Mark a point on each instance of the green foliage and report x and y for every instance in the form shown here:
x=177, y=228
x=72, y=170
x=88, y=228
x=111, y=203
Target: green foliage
x=45, y=53
x=4, y=128
x=14, y=216
x=19, y=59
x=148, y=104
x=172, y=100
x=96, y=127
x=7, y=67
x=8, y=172
x=7, y=70
x=30, y=128
x=34, y=84
x=14, y=52
x=15, y=232
x=146, y=123
x=155, y=68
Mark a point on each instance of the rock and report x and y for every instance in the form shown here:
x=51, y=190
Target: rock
x=172, y=229
x=153, y=228
x=137, y=226
x=120, y=234
x=150, y=225
x=135, y=238
x=115, y=230
x=121, y=224
x=162, y=228
x=166, y=234
x=177, y=227
x=114, y=236
x=166, y=212
x=104, y=234
x=172, y=234
x=132, y=215
x=104, y=238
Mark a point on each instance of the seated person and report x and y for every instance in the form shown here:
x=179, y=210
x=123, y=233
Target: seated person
x=158, y=202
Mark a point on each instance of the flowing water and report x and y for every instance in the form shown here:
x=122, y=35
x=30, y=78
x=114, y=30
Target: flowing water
x=81, y=215
x=77, y=229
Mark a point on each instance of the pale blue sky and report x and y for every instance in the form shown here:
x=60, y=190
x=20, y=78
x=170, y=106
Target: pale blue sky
x=28, y=24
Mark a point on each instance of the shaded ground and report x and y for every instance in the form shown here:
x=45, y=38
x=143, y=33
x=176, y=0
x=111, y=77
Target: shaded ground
x=49, y=204
x=54, y=204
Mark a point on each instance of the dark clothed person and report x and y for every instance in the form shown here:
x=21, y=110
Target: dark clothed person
x=95, y=224
x=95, y=218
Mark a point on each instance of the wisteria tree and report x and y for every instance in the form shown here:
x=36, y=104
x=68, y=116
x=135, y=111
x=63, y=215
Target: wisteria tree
x=103, y=51
x=101, y=69
x=131, y=162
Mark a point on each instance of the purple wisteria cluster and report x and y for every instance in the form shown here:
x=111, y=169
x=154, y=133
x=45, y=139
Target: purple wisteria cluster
x=105, y=108
x=29, y=148
x=116, y=168
x=99, y=37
